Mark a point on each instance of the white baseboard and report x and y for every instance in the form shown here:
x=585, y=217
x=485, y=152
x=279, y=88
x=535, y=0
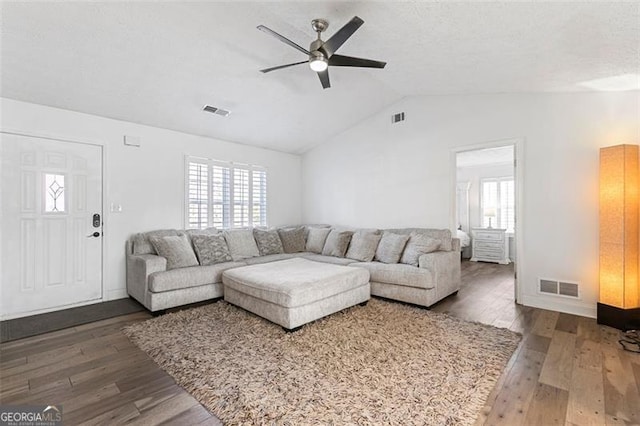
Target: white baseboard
x=568, y=307
x=119, y=293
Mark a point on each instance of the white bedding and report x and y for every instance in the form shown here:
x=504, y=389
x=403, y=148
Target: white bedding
x=465, y=240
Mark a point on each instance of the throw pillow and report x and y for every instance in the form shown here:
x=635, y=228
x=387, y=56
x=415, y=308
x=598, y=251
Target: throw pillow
x=390, y=247
x=363, y=246
x=176, y=249
x=211, y=249
x=241, y=243
x=316, y=239
x=336, y=243
x=142, y=241
x=418, y=245
x=268, y=242
x=292, y=239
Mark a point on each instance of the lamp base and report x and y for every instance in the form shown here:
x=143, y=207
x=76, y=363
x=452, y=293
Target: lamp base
x=622, y=319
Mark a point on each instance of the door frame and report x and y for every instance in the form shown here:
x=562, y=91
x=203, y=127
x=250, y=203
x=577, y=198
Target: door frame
x=518, y=147
x=103, y=201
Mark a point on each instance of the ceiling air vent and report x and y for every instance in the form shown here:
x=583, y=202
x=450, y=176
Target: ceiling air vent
x=558, y=288
x=396, y=118
x=217, y=111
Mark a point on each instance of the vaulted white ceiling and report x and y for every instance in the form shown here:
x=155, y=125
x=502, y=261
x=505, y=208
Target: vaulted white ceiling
x=158, y=63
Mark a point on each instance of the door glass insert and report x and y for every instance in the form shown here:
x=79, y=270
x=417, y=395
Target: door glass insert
x=54, y=193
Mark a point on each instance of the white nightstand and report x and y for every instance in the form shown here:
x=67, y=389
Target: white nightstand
x=490, y=245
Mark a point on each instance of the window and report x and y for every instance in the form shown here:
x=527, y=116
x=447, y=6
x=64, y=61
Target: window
x=498, y=203
x=225, y=195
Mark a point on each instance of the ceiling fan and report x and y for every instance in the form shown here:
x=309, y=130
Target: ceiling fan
x=322, y=53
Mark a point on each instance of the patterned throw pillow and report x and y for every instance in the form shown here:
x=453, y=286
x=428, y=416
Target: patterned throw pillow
x=268, y=242
x=176, y=249
x=336, y=243
x=390, y=247
x=292, y=239
x=211, y=249
x=418, y=245
x=363, y=246
x=241, y=243
x=316, y=239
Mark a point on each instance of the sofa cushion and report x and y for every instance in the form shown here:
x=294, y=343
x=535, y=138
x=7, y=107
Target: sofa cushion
x=316, y=239
x=270, y=258
x=268, y=241
x=211, y=249
x=176, y=249
x=390, y=247
x=444, y=235
x=292, y=239
x=398, y=274
x=241, y=243
x=194, y=276
x=418, y=245
x=328, y=259
x=336, y=243
x=363, y=245
x=142, y=245
x=294, y=282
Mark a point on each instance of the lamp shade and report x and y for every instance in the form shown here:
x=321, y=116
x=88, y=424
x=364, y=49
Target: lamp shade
x=619, y=282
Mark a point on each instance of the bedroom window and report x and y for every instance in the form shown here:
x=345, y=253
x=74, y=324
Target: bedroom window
x=224, y=194
x=498, y=203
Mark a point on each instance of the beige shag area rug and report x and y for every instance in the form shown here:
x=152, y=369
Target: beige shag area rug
x=381, y=363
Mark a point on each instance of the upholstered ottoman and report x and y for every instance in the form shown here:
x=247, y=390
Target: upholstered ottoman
x=296, y=291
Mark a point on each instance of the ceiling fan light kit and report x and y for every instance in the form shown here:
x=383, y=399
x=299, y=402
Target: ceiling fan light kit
x=322, y=53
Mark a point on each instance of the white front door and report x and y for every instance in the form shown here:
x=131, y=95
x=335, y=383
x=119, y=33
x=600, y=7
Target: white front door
x=51, y=224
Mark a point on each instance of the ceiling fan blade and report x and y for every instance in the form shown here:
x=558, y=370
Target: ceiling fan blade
x=350, y=61
x=282, y=39
x=324, y=78
x=330, y=46
x=279, y=67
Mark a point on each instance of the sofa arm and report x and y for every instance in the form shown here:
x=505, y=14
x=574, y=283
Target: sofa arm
x=139, y=267
x=445, y=268
x=455, y=245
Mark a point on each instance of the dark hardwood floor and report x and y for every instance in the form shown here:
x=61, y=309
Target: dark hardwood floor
x=567, y=370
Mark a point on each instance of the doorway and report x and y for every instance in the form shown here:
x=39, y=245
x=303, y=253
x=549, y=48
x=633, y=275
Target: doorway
x=485, y=210
x=51, y=224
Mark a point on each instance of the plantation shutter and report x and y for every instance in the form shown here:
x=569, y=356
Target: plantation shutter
x=197, y=195
x=225, y=195
x=240, y=198
x=499, y=194
x=221, y=190
x=259, y=198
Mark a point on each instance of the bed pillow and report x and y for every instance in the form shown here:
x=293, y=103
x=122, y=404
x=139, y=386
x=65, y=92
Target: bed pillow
x=316, y=239
x=241, y=244
x=268, y=242
x=336, y=243
x=211, y=249
x=176, y=249
x=390, y=247
x=292, y=239
x=418, y=245
x=363, y=246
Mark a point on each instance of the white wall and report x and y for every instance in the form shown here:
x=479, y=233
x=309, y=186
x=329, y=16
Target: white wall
x=149, y=181
x=381, y=175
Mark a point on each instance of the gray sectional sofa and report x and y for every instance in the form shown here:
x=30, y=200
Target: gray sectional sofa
x=414, y=265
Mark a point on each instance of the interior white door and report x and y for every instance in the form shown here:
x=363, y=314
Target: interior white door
x=51, y=224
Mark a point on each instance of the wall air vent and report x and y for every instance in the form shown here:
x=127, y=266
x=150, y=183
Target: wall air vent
x=558, y=288
x=217, y=111
x=396, y=118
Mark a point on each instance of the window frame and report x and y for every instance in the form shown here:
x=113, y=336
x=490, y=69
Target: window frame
x=498, y=218
x=230, y=222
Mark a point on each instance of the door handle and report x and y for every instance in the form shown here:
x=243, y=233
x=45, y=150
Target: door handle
x=94, y=235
